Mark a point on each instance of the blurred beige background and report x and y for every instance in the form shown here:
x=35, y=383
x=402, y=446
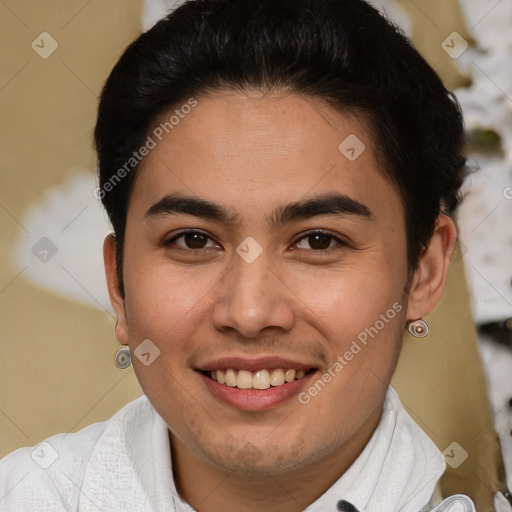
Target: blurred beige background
x=57, y=372
x=56, y=368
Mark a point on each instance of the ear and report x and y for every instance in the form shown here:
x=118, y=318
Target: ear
x=116, y=297
x=430, y=277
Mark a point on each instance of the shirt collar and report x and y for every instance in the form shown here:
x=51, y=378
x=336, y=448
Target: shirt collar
x=397, y=470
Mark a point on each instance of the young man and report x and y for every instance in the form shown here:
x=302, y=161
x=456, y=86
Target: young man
x=279, y=177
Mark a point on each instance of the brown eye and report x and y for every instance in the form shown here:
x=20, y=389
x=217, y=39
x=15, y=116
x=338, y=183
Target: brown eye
x=319, y=241
x=191, y=240
x=195, y=240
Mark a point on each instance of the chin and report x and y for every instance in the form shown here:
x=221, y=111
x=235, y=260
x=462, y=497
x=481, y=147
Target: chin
x=250, y=458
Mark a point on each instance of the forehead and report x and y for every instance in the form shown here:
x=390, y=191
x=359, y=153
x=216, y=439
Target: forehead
x=253, y=150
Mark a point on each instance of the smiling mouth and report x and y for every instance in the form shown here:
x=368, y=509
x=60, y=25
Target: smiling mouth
x=259, y=380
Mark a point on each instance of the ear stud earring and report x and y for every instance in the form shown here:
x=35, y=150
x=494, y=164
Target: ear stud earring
x=122, y=359
x=418, y=328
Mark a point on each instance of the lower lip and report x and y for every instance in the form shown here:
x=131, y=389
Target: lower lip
x=256, y=399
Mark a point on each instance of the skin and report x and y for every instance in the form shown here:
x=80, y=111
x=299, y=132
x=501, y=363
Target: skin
x=197, y=301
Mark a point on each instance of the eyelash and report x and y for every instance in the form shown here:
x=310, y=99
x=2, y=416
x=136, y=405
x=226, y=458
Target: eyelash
x=341, y=243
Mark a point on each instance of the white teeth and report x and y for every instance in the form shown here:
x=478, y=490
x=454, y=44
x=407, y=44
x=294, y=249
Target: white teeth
x=289, y=376
x=231, y=378
x=277, y=377
x=244, y=380
x=262, y=379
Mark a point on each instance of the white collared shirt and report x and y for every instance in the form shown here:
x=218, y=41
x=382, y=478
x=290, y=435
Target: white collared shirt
x=124, y=464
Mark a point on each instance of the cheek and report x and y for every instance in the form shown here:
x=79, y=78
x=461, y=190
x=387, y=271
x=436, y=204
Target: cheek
x=360, y=313
x=363, y=354
x=162, y=300
x=348, y=300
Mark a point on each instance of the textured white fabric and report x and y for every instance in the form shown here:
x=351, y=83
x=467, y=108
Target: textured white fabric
x=124, y=464
x=397, y=471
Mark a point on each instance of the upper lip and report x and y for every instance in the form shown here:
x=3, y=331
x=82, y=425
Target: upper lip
x=254, y=364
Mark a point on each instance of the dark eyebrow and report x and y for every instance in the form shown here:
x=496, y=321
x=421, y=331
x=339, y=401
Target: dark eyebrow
x=178, y=203
x=330, y=204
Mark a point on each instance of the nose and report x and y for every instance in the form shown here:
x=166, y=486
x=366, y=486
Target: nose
x=253, y=297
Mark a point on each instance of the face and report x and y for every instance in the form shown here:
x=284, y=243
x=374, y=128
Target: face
x=284, y=270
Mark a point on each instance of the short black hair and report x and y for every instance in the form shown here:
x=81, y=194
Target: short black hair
x=341, y=51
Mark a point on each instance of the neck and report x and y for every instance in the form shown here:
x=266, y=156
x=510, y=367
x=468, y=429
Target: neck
x=210, y=488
